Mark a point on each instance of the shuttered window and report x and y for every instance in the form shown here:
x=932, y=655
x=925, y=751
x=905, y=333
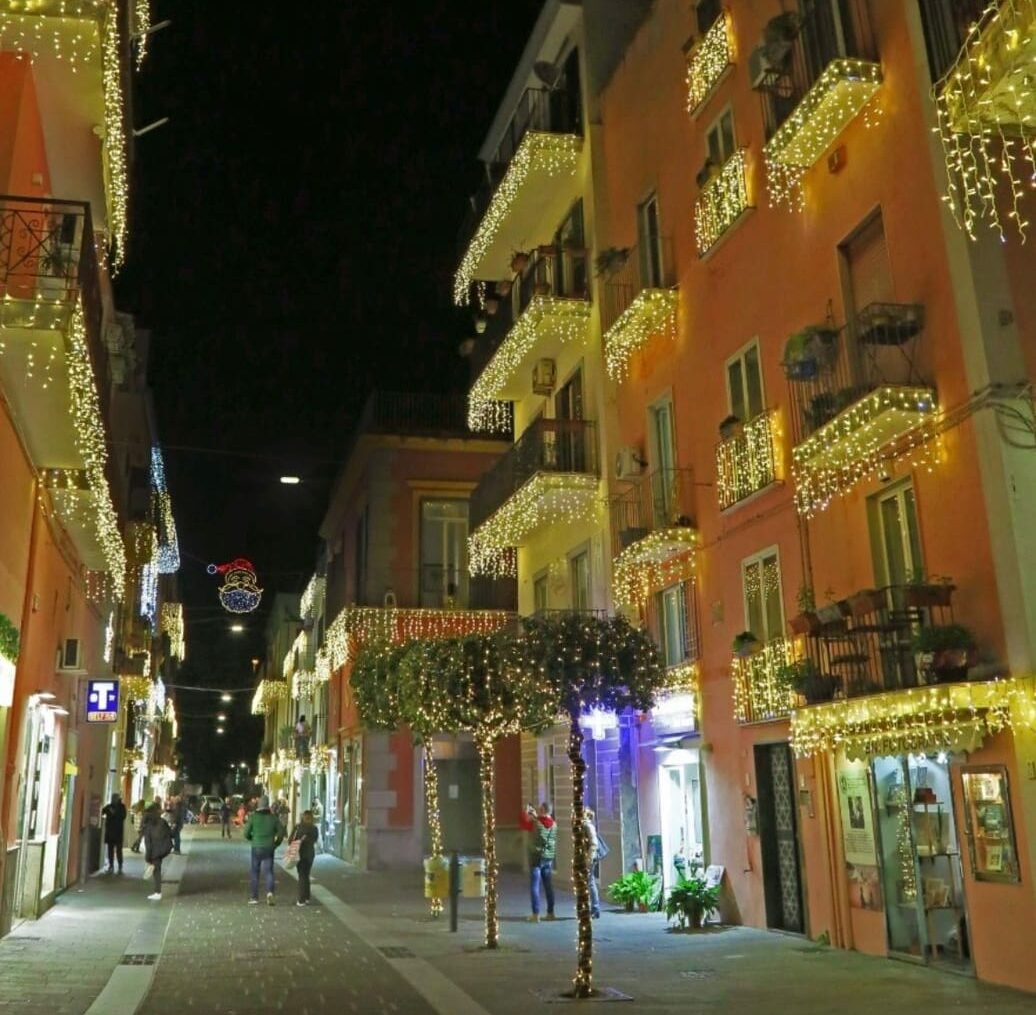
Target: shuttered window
x=867, y=261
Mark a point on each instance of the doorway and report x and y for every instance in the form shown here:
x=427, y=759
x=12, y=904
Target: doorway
x=921, y=872
x=779, y=837
x=679, y=799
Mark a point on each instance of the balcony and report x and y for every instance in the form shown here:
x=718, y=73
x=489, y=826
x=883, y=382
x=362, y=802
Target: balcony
x=80, y=50
x=762, y=687
x=653, y=535
x=857, y=398
x=639, y=301
x=986, y=104
x=545, y=307
x=54, y=366
x=820, y=71
x=435, y=587
x=531, y=183
x=268, y=694
x=748, y=460
x=549, y=477
x=712, y=54
x=721, y=202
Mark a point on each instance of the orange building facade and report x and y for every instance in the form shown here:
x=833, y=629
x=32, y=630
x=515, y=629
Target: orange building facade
x=839, y=418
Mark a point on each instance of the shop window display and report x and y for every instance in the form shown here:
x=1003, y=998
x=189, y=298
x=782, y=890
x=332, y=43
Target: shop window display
x=988, y=824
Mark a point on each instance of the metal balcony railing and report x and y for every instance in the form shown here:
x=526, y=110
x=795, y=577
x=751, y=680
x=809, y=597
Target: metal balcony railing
x=645, y=267
x=664, y=499
x=547, y=445
x=866, y=645
x=830, y=368
x=799, y=46
x=747, y=461
x=47, y=254
x=549, y=111
x=434, y=587
x=946, y=24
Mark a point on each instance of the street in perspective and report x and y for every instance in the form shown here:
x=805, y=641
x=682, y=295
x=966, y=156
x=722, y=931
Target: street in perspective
x=517, y=505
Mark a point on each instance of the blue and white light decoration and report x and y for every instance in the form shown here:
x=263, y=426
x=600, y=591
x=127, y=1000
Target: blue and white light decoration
x=168, y=546
x=240, y=591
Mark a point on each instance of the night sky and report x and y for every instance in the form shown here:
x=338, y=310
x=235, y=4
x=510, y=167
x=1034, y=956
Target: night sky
x=293, y=237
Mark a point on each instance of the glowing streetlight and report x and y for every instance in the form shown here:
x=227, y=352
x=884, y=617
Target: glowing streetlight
x=290, y=480
x=237, y=628
x=226, y=697
x=219, y=729
x=221, y=717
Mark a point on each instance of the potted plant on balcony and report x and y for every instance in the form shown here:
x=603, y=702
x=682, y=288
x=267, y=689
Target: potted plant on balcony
x=807, y=621
x=925, y=592
x=947, y=650
x=730, y=427
x=519, y=261
x=610, y=260
x=808, y=351
x=746, y=644
x=834, y=611
x=806, y=679
x=708, y=171
x=778, y=38
x=866, y=601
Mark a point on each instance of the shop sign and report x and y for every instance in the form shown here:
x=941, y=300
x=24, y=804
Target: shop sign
x=102, y=700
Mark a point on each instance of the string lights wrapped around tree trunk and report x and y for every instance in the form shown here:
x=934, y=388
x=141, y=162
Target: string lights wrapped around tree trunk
x=431, y=803
x=487, y=776
x=582, y=985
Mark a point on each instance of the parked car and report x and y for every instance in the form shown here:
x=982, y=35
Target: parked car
x=210, y=807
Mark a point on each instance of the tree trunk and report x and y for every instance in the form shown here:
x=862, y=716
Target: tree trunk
x=582, y=985
x=431, y=804
x=487, y=776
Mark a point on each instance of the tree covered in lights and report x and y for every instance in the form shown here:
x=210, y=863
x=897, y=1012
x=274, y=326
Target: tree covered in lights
x=585, y=662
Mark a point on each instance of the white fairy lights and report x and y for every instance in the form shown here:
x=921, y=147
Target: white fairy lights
x=538, y=154
x=173, y=626
x=761, y=691
x=986, y=111
x=707, y=61
x=546, y=499
x=722, y=201
x=887, y=424
x=660, y=559
x=550, y=319
x=268, y=694
x=844, y=88
x=652, y=312
x=748, y=461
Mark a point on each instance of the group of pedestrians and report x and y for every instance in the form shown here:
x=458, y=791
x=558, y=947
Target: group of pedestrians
x=265, y=830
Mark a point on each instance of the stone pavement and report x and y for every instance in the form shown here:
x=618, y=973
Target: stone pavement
x=367, y=944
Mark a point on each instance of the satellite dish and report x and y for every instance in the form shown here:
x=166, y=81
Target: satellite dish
x=547, y=72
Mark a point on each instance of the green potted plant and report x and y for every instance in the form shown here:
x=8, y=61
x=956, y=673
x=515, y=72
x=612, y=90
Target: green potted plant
x=925, y=592
x=745, y=644
x=691, y=900
x=730, y=427
x=8, y=639
x=805, y=677
x=948, y=648
x=807, y=621
x=636, y=889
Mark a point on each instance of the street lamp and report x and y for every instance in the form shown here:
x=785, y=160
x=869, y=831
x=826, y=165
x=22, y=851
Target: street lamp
x=226, y=697
x=219, y=729
x=237, y=628
x=221, y=717
x=290, y=480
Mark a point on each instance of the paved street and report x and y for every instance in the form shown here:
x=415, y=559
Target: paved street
x=366, y=944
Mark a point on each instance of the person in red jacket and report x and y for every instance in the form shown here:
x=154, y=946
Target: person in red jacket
x=543, y=839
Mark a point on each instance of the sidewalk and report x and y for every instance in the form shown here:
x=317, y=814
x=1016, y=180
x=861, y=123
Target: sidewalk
x=59, y=964
x=722, y=969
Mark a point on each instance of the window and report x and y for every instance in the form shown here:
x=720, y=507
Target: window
x=663, y=458
x=745, y=384
x=540, y=595
x=894, y=515
x=719, y=138
x=444, y=553
x=867, y=271
x=649, y=244
x=708, y=12
x=572, y=278
x=946, y=24
x=761, y=585
x=672, y=617
x=579, y=572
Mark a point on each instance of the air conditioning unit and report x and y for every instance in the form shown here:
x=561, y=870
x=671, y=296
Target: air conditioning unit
x=544, y=375
x=70, y=657
x=628, y=463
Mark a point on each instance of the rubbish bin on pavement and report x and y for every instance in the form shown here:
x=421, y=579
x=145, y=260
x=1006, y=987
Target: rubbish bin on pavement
x=436, y=877
x=473, y=877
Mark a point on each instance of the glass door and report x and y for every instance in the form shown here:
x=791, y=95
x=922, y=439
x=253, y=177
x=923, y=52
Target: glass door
x=663, y=454
x=679, y=790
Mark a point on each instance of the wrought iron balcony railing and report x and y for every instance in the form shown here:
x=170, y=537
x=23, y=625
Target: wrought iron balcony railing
x=434, y=587
x=748, y=460
x=820, y=70
x=762, y=686
x=660, y=501
x=547, y=446
x=721, y=202
x=711, y=56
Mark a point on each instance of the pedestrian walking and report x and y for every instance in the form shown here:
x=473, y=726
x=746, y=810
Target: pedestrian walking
x=596, y=851
x=305, y=834
x=543, y=838
x=114, y=815
x=264, y=831
x=226, y=814
x=175, y=820
x=158, y=844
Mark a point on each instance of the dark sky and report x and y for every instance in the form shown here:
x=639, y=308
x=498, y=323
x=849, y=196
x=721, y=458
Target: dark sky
x=293, y=237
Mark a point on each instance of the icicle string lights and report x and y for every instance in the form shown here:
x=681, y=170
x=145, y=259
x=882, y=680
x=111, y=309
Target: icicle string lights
x=722, y=201
x=652, y=312
x=707, y=61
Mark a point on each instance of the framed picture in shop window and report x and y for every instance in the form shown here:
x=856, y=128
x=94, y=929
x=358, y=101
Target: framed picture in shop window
x=989, y=826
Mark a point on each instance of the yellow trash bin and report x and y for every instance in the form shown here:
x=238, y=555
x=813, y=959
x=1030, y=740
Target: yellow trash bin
x=436, y=877
x=473, y=877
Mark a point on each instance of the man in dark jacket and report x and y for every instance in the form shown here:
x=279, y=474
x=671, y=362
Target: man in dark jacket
x=158, y=844
x=264, y=831
x=306, y=835
x=114, y=815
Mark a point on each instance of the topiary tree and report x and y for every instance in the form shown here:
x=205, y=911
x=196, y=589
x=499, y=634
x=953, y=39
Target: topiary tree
x=588, y=662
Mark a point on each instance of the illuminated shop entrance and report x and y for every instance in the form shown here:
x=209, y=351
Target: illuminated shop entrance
x=922, y=879
x=679, y=797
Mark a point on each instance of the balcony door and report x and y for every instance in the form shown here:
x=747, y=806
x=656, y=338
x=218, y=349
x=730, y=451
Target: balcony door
x=663, y=458
x=745, y=384
x=672, y=615
x=569, y=436
x=649, y=244
x=444, y=553
x=761, y=584
x=899, y=537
